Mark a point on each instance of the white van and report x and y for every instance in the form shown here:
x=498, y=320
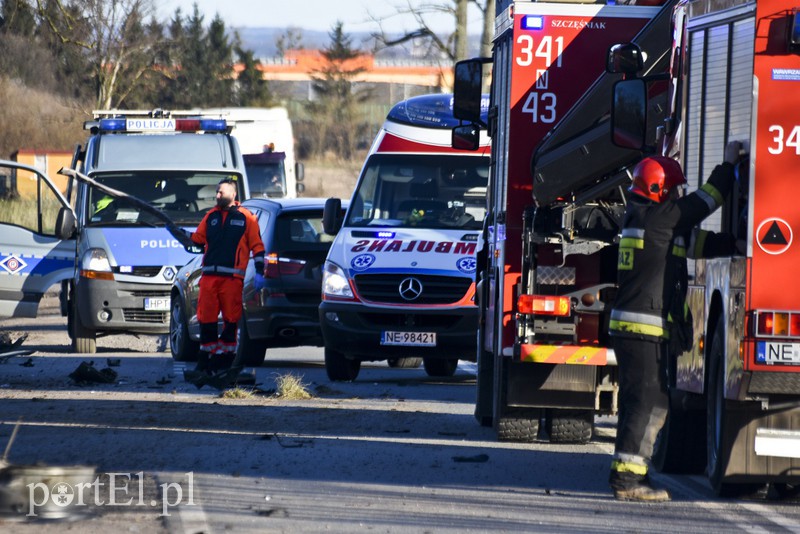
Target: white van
x=398, y=284
x=266, y=140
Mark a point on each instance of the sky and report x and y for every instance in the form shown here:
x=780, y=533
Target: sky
x=314, y=14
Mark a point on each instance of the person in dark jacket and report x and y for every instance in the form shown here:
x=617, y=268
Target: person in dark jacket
x=650, y=318
x=229, y=234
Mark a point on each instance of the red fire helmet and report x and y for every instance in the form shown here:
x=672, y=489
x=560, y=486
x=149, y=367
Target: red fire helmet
x=655, y=177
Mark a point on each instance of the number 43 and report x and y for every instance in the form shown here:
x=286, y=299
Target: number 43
x=541, y=106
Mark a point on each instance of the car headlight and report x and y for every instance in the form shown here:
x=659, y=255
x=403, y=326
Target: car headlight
x=95, y=259
x=334, y=282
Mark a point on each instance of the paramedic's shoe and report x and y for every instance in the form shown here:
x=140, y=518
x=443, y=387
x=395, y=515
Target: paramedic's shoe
x=642, y=492
x=225, y=378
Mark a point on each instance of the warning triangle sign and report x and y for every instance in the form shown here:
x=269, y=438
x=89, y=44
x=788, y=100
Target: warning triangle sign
x=774, y=236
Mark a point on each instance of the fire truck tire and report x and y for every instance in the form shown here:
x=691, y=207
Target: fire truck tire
x=404, y=363
x=569, y=426
x=251, y=352
x=680, y=447
x=182, y=347
x=440, y=366
x=84, y=340
x=519, y=426
x=719, y=441
x=339, y=367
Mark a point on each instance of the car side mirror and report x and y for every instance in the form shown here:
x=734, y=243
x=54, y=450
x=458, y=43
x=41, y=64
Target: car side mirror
x=332, y=216
x=66, y=224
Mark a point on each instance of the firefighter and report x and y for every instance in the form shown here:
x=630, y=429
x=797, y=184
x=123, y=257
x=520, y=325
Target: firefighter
x=650, y=319
x=229, y=233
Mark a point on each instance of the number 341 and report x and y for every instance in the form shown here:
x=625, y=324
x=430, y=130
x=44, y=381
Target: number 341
x=781, y=140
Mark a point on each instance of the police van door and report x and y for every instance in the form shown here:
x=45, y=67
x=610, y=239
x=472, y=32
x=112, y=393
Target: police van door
x=37, y=243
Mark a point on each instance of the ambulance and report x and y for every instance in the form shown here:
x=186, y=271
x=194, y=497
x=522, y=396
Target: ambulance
x=399, y=281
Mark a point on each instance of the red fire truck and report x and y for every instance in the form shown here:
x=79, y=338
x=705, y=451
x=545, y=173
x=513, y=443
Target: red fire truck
x=734, y=75
x=555, y=205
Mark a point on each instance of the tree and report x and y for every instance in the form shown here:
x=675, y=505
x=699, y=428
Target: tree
x=291, y=39
x=251, y=87
x=335, y=109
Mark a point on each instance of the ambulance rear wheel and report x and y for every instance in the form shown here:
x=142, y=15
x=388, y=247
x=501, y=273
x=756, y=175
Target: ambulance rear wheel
x=404, y=363
x=569, y=426
x=520, y=426
x=339, y=367
x=84, y=340
x=440, y=366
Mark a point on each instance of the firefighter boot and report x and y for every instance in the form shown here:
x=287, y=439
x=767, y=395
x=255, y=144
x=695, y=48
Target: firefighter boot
x=636, y=488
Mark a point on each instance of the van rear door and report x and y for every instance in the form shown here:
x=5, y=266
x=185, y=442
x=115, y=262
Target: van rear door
x=32, y=255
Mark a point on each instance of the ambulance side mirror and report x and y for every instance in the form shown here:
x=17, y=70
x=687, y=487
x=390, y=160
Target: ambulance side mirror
x=465, y=137
x=629, y=114
x=332, y=216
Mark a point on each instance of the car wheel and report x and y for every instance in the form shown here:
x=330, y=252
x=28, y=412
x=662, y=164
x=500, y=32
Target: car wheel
x=339, y=367
x=440, y=366
x=251, y=352
x=404, y=363
x=84, y=340
x=182, y=347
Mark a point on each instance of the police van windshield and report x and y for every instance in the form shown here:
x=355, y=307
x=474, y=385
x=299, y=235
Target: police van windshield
x=183, y=196
x=414, y=191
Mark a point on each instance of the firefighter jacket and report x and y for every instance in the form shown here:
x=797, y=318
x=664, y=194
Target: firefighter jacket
x=652, y=270
x=229, y=237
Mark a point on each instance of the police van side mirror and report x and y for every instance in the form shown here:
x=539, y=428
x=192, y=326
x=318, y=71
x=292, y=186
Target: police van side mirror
x=66, y=223
x=629, y=114
x=332, y=216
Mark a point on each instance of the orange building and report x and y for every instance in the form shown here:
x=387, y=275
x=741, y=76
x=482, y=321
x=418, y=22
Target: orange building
x=46, y=161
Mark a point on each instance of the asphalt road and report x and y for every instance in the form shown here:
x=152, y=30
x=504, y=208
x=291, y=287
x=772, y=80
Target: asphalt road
x=395, y=451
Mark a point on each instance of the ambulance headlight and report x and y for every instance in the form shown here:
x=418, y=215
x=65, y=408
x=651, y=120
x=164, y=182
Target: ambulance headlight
x=335, y=283
x=95, y=259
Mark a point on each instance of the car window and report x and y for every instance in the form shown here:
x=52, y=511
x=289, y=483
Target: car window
x=301, y=230
x=263, y=218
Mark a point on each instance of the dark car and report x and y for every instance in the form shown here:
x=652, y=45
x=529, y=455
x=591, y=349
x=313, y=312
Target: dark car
x=284, y=313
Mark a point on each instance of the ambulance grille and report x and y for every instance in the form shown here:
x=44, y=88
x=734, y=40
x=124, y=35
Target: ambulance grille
x=134, y=315
x=435, y=289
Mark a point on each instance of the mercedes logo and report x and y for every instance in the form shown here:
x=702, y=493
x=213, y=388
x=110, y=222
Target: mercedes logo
x=410, y=288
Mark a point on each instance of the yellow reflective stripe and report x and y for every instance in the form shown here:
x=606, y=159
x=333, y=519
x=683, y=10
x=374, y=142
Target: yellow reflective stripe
x=625, y=259
x=699, y=238
x=627, y=467
x=631, y=242
x=679, y=251
x=638, y=328
x=713, y=192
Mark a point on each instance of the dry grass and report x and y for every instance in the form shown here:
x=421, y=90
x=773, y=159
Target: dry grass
x=331, y=178
x=237, y=393
x=291, y=387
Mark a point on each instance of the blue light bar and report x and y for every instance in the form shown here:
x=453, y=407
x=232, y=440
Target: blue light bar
x=112, y=125
x=384, y=235
x=213, y=125
x=532, y=22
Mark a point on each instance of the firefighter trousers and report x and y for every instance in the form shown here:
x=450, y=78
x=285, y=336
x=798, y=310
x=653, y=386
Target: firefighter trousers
x=643, y=404
x=219, y=294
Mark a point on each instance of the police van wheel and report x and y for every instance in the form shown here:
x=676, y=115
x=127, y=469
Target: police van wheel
x=404, y=363
x=440, y=366
x=339, y=367
x=569, y=426
x=84, y=340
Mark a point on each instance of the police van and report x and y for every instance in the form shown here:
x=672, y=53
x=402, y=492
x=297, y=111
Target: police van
x=116, y=262
x=398, y=284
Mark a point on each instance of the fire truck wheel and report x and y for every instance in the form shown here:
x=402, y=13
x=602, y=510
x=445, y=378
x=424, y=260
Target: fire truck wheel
x=339, y=367
x=182, y=347
x=519, y=426
x=84, y=340
x=440, y=366
x=569, y=426
x=404, y=363
x=680, y=447
x=251, y=352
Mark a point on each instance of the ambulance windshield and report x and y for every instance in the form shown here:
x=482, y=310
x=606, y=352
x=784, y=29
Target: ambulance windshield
x=185, y=197
x=416, y=191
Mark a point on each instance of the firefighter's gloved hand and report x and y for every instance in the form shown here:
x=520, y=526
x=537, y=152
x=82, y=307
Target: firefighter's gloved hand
x=259, y=283
x=732, y=152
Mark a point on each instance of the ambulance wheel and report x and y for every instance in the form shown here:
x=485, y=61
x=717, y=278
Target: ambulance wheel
x=182, y=347
x=251, y=352
x=569, y=426
x=84, y=340
x=680, y=446
x=339, y=367
x=404, y=363
x=520, y=426
x=440, y=366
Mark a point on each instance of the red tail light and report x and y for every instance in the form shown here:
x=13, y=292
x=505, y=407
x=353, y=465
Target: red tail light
x=543, y=305
x=771, y=323
x=277, y=266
